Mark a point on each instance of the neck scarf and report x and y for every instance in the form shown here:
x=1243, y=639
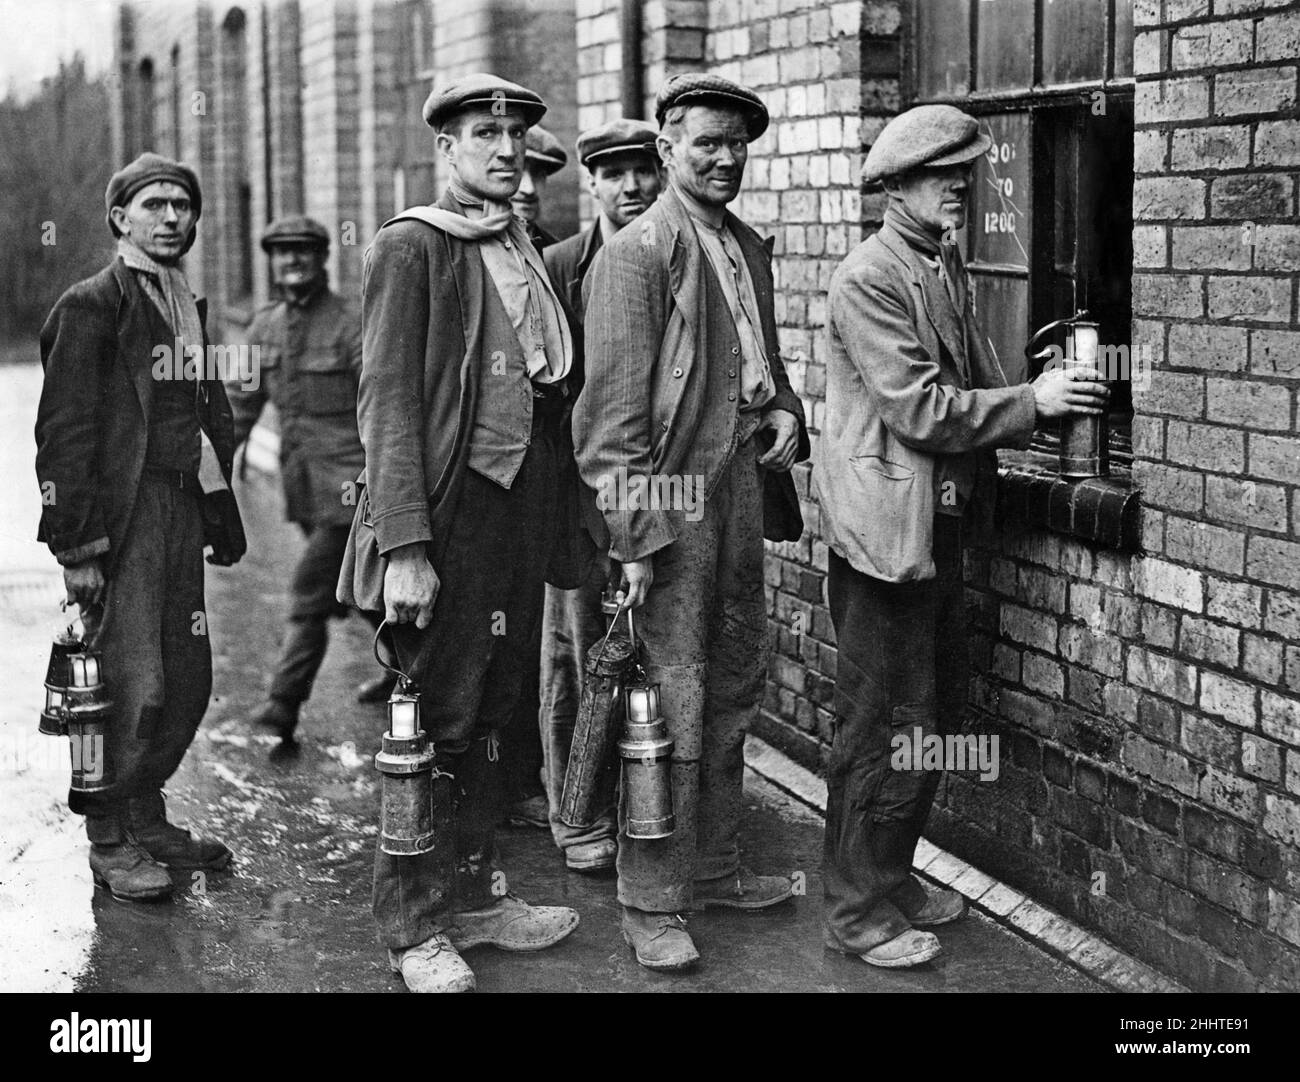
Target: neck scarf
x=170, y=293
x=943, y=250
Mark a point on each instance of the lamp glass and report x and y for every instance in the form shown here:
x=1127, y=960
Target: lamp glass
x=403, y=717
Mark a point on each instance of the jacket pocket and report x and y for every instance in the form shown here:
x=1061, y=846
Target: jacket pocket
x=898, y=527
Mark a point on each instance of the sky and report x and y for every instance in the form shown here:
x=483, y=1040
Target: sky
x=36, y=34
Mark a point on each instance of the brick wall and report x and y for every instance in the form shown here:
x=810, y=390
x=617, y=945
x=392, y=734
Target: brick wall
x=1149, y=704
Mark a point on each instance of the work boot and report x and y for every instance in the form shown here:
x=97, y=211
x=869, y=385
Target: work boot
x=376, y=690
x=532, y=812
x=129, y=872
x=511, y=924
x=591, y=856
x=432, y=966
x=278, y=715
x=941, y=907
x=660, y=940
x=171, y=845
x=743, y=890
x=909, y=948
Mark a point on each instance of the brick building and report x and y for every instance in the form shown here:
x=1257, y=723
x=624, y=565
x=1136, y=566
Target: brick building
x=1137, y=637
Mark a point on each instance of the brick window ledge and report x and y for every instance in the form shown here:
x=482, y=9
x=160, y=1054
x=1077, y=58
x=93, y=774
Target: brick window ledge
x=1103, y=510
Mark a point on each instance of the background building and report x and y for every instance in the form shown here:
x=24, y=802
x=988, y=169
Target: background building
x=1137, y=637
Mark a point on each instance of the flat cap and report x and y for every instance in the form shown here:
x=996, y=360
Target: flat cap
x=928, y=136
x=297, y=229
x=150, y=168
x=692, y=88
x=484, y=90
x=621, y=136
x=543, y=150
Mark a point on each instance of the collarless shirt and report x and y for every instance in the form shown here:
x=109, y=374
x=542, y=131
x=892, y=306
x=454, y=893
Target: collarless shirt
x=728, y=262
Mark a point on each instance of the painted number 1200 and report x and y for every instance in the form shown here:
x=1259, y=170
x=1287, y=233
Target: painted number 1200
x=999, y=221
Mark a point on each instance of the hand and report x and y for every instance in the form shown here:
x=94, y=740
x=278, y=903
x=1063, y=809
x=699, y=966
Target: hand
x=84, y=583
x=410, y=586
x=1061, y=392
x=637, y=577
x=780, y=456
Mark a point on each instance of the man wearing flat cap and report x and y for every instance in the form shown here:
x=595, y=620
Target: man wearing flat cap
x=622, y=165
x=133, y=452
x=915, y=401
x=466, y=354
x=544, y=156
x=309, y=352
x=686, y=395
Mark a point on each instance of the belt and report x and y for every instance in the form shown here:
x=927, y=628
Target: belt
x=549, y=398
x=180, y=479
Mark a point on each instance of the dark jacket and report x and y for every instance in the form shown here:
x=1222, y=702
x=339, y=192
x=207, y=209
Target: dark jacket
x=568, y=262
x=656, y=320
x=310, y=363
x=914, y=394
x=92, y=423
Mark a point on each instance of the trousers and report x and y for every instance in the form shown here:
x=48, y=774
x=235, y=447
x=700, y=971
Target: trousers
x=311, y=605
x=473, y=656
x=703, y=632
x=902, y=664
x=152, y=634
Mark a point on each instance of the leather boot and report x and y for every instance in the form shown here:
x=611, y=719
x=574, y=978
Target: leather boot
x=278, y=715
x=171, y=845
x=121, y=866
x=660, y=940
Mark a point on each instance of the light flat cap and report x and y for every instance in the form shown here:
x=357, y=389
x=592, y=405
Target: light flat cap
x=928, y=136
x=543, y=150
x=621, y=136
x=480, y=89
x=692, y=88
x=150, y=168
x=298, y=229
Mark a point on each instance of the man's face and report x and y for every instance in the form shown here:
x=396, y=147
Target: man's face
x=936, y=197
x=527, y=201
x=706, y=157
x=297, y=267
x=486, y=151
x=625, y=185
x=157, y=220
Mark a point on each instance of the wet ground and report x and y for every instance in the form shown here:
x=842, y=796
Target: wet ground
x=294, y=913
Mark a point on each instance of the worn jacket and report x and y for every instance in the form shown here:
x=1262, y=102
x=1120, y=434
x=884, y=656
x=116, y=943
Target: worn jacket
x=656, y=321
x=913, y=396
x=432, y=328
x=92, y=423
x=568, y=262
x=310, y=364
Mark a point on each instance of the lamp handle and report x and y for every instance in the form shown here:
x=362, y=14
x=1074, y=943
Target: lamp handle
x=1042, y=331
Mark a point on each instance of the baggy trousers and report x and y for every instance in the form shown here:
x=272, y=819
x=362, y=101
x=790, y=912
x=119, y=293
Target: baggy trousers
x=571, y=624
x=902, y=665
x=157, y=659
x=486, y=614
x=703, y=631
x=310, y=608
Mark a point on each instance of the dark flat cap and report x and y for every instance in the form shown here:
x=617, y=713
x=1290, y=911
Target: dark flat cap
x=480, y=89
x=298, y=229
x=150, y=168
x=692, y=88
x=544, y=151
x=927, y=136
x=617, y=137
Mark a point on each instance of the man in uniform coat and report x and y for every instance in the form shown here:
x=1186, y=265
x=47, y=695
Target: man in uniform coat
x=309, y=354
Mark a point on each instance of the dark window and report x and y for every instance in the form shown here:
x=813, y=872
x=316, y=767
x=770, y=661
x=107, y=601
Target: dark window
x=146, y=105
x=1051, y=222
